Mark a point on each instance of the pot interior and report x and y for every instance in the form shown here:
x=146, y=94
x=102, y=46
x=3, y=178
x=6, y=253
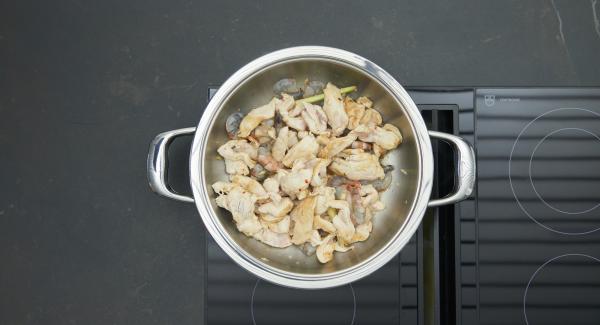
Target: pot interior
x=399, y=198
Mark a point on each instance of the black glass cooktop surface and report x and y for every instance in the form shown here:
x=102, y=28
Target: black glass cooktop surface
x=538, y=231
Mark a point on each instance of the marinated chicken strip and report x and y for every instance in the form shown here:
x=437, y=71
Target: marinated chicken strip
x=369, y=195
x=358, y=166
x=355, y=112
x=282, y=226
x=387, y=137
x=342, y=221
x=315, y=118
x=284, y=106
x=271, y=238
x=275, y=211
x=371, y=118
x=306, y=149
x=251, y=186
x=280, y=146
x=241, y=205
x=302, y=217
x=336, y=145
x=334, y=109
x=255, y=117
x=295, y=182
x=239, y=155
x=325, y=249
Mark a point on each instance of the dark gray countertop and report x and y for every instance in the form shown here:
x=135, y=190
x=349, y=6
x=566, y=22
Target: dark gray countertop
x=85, y=86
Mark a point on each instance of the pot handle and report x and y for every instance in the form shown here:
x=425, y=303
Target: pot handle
x=157, y=164
x=465, y=169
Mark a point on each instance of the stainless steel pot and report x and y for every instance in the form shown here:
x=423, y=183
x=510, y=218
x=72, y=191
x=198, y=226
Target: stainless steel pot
x=405, y=201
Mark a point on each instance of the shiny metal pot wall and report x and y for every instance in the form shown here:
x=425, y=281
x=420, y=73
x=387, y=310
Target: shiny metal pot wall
x=405, y=201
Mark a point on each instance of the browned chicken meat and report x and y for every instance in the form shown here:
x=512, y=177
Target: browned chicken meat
x=306, y=175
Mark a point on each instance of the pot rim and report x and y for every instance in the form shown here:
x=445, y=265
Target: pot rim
x=298, y=280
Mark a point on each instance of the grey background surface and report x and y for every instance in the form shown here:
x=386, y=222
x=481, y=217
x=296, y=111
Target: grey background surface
x=85, y=86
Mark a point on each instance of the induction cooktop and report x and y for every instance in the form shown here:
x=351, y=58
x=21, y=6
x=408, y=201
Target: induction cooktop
x=524, y=249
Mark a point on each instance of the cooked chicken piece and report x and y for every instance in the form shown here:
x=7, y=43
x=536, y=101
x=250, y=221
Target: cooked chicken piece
x=235, y=167
x=302, y=217
x=319, y=167
x=355, y=112
x=256, y=116
x=334, y=109
x=365, y=101
x=295, y=182
x=241, y=205
x=378, y=206
x=302, y=134
x=223, y=187
x=361, y=145
x=358, y=166
x=251, y=186
x=371, y=118
x=341, y=248
x=281, y=227
x=271, y=185
x=283, y=108
x=377, y=150
x=336, y=145
x=275, y=211
x=297, y=110
x=369, y=195
x=271, y=238
x=292, y=138
x=349, y=152
x=321, y=223
x=315, y=238
x=325, y=249
x=387, y=137
x=362, y=232
x=323, y=139
x=305, y=149
x=239, y=155
x=264, y=133
x=342, y=221
x=324, y=195
x=315, y=118
x=280, y=145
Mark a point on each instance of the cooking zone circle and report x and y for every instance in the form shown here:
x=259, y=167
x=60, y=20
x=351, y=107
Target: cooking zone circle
x=557, y=191
x=563, y=130
x=569, y=280
x=273, y=304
